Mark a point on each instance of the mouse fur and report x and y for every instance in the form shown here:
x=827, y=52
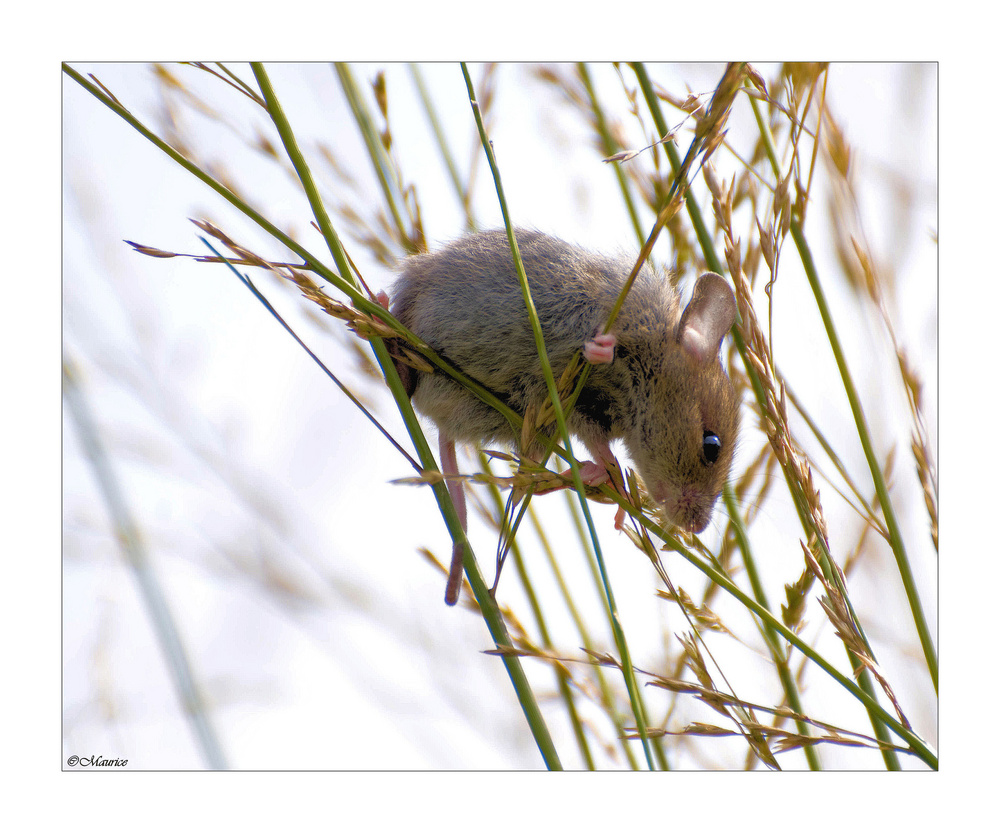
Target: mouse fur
x=664, y=392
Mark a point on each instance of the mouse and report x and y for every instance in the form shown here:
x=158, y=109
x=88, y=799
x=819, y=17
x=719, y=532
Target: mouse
x=657, y=383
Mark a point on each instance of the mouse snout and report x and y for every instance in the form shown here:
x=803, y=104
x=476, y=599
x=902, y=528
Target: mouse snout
x=689, y=507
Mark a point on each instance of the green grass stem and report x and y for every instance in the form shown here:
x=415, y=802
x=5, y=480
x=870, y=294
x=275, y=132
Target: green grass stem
x=550, y=382
x=487, y=604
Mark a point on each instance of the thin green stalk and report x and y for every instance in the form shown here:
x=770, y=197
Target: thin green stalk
x=865, y=696
x=834, y=458
x=345, y=285
x=708, y=249
x=134, y=551
x=827, y=560
x=597, y=577
x=342, y=284
x=896, y=541
x=610, y=148
x=330, y=375
x=538, y=613
x=778, y=656
x=361, y=301
x=464, y=197
x=676, y=163
x=298, y=161
x=607, y=697
x=680, y=169
x=550, y=382
x=376, y=150
x=679, y=166
x=864, y=434
x=491, y=612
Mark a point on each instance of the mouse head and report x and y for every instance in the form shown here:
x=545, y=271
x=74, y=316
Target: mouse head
x=686, y=429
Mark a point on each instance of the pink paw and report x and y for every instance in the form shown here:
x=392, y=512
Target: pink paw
x=382, y=298
x=600, y=349
x=593, y=474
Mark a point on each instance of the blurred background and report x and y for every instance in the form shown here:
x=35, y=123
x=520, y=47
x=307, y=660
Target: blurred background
x=316, y=632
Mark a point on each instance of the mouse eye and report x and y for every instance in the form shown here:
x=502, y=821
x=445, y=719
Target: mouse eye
x=711, y=445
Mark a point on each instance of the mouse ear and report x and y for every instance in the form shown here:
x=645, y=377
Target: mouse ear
x=707, y=317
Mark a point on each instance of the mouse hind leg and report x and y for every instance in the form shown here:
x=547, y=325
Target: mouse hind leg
x=449, y=465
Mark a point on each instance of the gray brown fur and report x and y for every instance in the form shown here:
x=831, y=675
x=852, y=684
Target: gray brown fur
x=657, y=396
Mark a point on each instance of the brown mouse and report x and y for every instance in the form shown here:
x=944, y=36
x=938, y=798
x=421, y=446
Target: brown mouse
x=657, y=382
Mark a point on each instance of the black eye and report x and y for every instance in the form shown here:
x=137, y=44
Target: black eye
x=711, y=445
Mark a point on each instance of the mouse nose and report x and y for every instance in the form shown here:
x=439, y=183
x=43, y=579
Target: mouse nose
x=694, y=510
x=689, y=508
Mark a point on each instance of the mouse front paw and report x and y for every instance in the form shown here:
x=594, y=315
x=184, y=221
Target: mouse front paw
x=592, y=474
x=600, y=349
x=596, y=474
